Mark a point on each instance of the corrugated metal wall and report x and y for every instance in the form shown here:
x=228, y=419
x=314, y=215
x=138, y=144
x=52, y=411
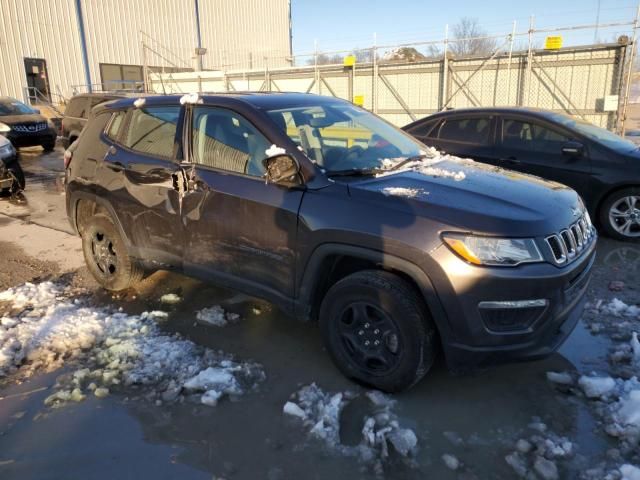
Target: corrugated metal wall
x=39, y=29
x=238, y=32
x=241, y=33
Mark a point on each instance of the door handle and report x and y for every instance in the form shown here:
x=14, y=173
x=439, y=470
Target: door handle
x=115, y=166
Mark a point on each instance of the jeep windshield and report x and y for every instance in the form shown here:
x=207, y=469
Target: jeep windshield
x=14, y=107
x=344, y=139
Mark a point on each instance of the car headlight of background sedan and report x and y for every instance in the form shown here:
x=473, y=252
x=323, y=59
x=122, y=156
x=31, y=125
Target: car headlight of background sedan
x=491, y=251
x=4, y=128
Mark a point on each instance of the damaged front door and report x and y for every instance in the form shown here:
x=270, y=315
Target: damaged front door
x=237, y=228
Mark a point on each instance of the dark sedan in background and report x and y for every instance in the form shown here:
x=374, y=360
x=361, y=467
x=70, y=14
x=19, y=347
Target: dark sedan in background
x=24, y=126
x=602, y=167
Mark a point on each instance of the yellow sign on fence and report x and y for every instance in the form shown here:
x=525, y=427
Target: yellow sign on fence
x=349, y=60
x=358, y=100
x=553, y=43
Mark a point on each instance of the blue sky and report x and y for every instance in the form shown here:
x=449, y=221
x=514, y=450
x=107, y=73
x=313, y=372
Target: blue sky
x=347, y=24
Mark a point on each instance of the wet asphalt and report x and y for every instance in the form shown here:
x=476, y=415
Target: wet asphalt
x=117, y=437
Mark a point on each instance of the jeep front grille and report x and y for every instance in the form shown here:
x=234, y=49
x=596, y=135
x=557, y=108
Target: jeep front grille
x=569, y=244
x=30, y=127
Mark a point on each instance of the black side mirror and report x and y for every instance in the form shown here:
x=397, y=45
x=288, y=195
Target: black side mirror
x=573, y=149
x=280, y=168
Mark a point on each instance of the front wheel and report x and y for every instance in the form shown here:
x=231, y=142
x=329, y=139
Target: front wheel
x=106, y=256
x=19, y=182
x=378, y=331
x=620, y=214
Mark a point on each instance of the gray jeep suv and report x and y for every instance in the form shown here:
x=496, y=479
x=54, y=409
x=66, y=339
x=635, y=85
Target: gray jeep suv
x=338, y=217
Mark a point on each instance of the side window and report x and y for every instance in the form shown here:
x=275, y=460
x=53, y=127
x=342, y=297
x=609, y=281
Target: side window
x=116, y=123
x=467, y=130
x=424, y=130
x=225, y=140
x=152, y=130
x=519, y=135
x=77, y=108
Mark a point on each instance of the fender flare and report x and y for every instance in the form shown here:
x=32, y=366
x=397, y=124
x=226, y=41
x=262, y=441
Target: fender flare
x=98, y=200
x=310, y=279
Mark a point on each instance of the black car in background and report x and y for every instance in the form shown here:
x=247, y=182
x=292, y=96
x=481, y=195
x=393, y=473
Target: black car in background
x=77, y=112
x=24, y=126
x=602, y=167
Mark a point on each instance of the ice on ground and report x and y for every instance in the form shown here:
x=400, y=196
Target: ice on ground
x=170, y=298
x=274, y=151
x=596, y=387
x=562, y=378
x=451, y=461
x=630, y=472
x=320, y=413
x=111, y=349
x=216, y=316
x=403, y=192
x=618, y=308
x=139, y=103
x=539, y=452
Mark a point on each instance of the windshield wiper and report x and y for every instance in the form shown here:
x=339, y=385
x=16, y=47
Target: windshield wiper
x=406, y=161
x=355, y=172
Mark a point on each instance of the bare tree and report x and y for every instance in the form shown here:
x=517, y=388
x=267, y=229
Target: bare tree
x=466, y=39
x=324, y=59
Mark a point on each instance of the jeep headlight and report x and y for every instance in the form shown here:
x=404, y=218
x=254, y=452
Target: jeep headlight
x=492, y=251
x=4, y=128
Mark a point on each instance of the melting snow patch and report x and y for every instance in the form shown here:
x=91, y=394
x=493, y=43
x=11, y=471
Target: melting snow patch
x=618, y=308
x=403, y=192
x=630, y=472
x=139, y=102
x=451, y=461
x=190, y=98
x=562, y=378
x=170, y=298
x=216, y=316
x=274, y=151
x=381, y=432
x=113, y=349
x=596, y=387
x=539, y=453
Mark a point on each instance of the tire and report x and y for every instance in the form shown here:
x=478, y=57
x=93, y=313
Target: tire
x=19, y=181
x=620, y=214
x=349, y=315
x=106, y=256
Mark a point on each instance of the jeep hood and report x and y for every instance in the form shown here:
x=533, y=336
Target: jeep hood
x=474, y=197
x=13, y=119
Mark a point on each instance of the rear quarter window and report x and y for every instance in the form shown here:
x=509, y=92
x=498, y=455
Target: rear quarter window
x=152, y=130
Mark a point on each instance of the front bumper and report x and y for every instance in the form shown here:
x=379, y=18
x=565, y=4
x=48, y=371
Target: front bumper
x=469, y=340
x=19, y=139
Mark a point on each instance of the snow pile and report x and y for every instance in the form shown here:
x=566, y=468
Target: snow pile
x=320, y=412
x=139, y=103
x=403, y=192
x=425, y=166
x=190, y=98
x=539, y=453
x=596, y=387
x=618, y=308
x=170, y=298
x=274, y=151
x=216, y=316
x=114, y=349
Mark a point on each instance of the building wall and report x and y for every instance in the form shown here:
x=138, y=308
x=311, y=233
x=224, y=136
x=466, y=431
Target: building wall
x=236, y=33
x=39, y=29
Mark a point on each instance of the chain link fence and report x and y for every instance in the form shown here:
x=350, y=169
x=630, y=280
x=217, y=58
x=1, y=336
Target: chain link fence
x=406, y=82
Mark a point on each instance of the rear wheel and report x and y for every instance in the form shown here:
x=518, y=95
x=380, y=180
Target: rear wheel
x=620, y=214
x=106, y=256
x=378, y=330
